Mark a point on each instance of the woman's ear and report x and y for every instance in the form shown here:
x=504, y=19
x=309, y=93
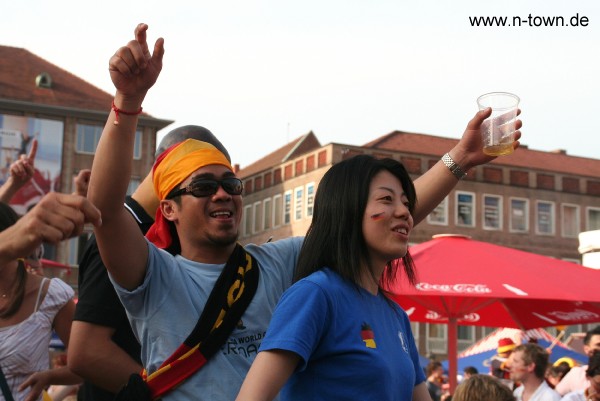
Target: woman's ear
x=168, y=209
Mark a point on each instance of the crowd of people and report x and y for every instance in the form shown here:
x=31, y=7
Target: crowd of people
x=172, y=306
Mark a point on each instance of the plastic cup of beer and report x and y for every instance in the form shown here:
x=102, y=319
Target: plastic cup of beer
x=498, y=130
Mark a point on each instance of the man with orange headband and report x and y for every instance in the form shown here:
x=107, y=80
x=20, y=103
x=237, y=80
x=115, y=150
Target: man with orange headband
x=204, y=285
x=102, y=347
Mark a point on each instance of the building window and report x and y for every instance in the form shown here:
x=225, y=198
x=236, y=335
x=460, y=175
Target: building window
x=437, y=338
x=465, y=209
x=88, y=137
x=257, y=218
x=310, y=199
x=298, y=204
x=414, y=326
x=570, y=220
x=544, y=218
x=492, y=212
x=248, y=220
x=519, y=215
x=488, y=330
x=439, y=215
x=267, y=214
x=465, y=336
x=277, y=210
x=287, y=207
x=134, y=183
x=137, y=145
x=593, y=219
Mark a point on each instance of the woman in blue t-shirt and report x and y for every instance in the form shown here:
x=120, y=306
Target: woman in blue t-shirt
x=335, y=335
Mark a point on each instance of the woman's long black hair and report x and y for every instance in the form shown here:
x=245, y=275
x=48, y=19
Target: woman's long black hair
x=335, y=237
x=9, y=217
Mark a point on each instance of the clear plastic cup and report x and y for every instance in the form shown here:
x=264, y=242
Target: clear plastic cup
x=498, y=130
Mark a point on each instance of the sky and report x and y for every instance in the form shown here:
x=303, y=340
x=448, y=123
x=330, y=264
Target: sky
x=260, y=73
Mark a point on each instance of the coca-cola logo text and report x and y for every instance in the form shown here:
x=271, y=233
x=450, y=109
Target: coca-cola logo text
x=576, y=315
x=455, y=288
x=471, y=317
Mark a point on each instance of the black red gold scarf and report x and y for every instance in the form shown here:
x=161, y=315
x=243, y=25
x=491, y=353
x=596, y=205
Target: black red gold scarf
x=224, y=308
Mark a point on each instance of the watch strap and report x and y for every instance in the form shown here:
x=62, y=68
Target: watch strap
x=454, y=168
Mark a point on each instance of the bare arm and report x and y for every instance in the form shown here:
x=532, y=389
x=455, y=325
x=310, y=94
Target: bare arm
x=123, y=248
x=41, y=380
x=63, y=320
x=55, y=218
x=267, y=375
x=21, y=171
x=105, y=364
x=420, y=393
x=433, y=186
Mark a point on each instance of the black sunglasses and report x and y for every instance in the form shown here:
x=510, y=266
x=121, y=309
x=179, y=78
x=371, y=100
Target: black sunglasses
x=205, y=187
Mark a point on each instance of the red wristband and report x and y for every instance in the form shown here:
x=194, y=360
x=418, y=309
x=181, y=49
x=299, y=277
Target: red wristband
x=127, y=113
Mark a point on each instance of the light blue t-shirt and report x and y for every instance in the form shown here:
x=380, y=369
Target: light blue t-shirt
x=354, y=345
x=166, y=307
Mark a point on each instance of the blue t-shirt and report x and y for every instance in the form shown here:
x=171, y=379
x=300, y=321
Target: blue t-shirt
x=353, y=345
x=164, y=309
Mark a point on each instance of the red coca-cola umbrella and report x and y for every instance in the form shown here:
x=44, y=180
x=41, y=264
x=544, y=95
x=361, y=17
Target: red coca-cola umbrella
x=461, y=281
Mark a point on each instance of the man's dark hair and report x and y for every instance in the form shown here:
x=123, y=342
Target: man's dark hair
x=190, y=132
x=432, y=367
x=471, y=370
x=533, y=353
x=590, y=333
x=593, y=365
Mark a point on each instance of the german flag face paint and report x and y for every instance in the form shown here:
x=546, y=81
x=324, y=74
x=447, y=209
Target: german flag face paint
x=378, y=216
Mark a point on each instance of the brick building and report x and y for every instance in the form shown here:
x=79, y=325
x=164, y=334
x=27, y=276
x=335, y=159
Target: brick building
x=66, y=114
x=530, y=200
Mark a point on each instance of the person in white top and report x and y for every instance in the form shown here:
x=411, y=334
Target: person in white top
x=576, y=378
x=591, y=393
x=527, y=365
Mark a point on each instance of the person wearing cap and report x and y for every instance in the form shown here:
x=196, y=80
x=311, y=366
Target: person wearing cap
x=498, y=363
x=166, y=283
x=103, y=349
x=527, y=365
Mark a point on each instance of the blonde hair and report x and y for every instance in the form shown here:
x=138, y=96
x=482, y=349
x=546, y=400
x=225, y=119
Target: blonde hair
x=482, y=388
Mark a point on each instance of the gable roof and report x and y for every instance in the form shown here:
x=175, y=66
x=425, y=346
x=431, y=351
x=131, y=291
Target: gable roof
x=296, y=147
x=19, y=69
x=524, y=157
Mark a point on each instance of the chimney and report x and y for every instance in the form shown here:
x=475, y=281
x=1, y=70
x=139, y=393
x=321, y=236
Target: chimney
x=559, y=151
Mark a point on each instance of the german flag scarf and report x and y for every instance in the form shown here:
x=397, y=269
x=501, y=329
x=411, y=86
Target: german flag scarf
x=224, y=308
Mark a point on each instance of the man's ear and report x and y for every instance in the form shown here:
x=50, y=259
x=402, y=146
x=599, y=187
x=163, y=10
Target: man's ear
x=168, y=209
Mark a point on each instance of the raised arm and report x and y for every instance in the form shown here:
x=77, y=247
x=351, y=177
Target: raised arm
x=81, y=182
x=133, y=70
x=433, y=186
x=21, y=171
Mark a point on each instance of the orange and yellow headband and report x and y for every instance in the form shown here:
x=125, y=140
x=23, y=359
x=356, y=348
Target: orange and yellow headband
x=171, y=168
x=176, y=163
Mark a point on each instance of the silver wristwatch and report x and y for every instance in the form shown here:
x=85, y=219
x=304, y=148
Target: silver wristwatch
x=453, y=167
